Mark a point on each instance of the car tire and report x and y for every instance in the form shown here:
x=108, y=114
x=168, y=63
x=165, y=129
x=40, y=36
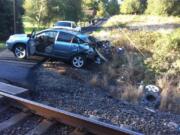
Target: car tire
x=20, y=51
x=78, y=61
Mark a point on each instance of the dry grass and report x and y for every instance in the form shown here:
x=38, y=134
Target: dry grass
x=170, y=95
x=140, y=20
x=119, y=78
x=131, y=93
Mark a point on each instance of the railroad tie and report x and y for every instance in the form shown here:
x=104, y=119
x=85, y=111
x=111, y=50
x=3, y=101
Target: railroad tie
x=41, y=128
x=3, y=109
x=1, y=98
x=13, y=120
x=78, y=131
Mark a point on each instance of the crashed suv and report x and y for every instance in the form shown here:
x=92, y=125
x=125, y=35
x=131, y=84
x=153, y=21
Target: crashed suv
x=67, y=45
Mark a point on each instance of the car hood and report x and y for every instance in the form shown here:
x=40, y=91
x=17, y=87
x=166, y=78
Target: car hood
x=19, y=37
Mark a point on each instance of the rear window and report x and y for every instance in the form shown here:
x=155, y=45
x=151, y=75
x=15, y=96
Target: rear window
x=64, y=24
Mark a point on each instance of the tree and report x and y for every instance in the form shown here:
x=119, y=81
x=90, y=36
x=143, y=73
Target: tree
x=113, y=7
x=43, y=12
x=7, y=21
x=90, y=8
x=36, y=10
x=160, y=7
x=176, y=9
x=132, y=7
x=73, y=9
x=101, y=9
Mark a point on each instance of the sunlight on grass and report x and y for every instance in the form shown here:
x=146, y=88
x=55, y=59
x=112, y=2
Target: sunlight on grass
x=140, y=20
x=2, y=45
x=28, y=27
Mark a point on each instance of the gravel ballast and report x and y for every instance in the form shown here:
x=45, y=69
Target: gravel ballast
x=72, y=95
x=22, y=127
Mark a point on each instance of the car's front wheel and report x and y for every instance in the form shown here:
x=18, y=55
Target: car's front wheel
x=20, y=51
x=78, y=61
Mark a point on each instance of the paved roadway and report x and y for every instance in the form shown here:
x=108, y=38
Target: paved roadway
x=17, y=72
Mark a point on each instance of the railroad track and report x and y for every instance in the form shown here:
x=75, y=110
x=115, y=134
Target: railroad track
x=48, y=117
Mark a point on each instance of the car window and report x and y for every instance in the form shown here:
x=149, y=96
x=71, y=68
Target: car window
x=88, y=39
x=75, y=40
x=81, y=41
x=74, y=25
x=50, y=34
x=65, y=37
x=64, y=24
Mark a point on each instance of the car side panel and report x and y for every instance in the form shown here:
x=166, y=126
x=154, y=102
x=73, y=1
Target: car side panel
x=65, y=50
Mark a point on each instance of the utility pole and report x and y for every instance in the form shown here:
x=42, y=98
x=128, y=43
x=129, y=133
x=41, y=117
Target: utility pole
x=14, y=15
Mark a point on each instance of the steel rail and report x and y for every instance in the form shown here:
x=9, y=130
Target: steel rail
x=67, y=118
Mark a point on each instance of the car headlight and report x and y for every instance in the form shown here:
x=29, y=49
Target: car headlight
x=11, y=39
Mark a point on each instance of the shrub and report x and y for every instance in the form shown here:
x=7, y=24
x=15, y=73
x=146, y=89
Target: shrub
x=101, y=10
x=131, y=93
x=132, y=7
x=113, y=7
x=166, y=57
x=160, y=7
x=170, y=93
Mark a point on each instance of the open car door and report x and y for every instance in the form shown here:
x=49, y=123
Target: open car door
x=31, y=45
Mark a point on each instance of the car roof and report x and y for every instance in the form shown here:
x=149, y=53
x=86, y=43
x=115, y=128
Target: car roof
x=79, y=34
x=66, y=21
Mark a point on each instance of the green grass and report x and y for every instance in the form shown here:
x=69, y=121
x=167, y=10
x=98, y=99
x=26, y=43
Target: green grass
x=28, y=27
x=2, y=45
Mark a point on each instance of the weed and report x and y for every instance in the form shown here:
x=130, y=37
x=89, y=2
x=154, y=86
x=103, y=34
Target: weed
x=170, y=95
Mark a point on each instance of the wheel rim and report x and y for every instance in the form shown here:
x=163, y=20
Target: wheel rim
x=78, y=61
x=20, y=52
x=152, y=88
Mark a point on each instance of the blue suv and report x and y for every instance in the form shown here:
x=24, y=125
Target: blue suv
x=67, y=45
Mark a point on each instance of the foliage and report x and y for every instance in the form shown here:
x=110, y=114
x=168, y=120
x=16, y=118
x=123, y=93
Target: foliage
x=113, y=7
x=2, y=45
x=160, y=64
x=166, y=57
x=176, y=9
x=101, y=9
x=132, y=7
x=6, y=15
x=72, y=10
x=170, y=93
x=160, y=7
x=43, y=12
x=90, y=4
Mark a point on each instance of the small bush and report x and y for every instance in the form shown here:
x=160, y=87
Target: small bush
x=131, y=7
x=131, y=93
x=160, y=7
x=166, y=57
x=170, y=95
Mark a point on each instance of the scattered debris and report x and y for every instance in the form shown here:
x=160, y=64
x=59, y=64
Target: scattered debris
x=172, y=125
x=94, y=117
x=150, y=110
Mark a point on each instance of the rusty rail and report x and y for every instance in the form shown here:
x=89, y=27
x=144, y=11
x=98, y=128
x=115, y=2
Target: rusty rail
x=71, y=119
